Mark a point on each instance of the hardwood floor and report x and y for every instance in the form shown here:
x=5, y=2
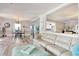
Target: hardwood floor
x=7, y=43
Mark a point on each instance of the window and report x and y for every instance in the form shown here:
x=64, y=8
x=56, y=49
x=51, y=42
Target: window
x=17, y=26
x=51, y=26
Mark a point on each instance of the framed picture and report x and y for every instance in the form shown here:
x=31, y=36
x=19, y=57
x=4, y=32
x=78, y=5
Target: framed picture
x=7, y=25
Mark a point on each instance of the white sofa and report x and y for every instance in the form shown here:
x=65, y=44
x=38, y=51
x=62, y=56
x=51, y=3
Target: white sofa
x=57, y=44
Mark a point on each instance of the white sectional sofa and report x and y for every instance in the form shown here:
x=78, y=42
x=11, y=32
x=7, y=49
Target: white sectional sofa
x=57, y=44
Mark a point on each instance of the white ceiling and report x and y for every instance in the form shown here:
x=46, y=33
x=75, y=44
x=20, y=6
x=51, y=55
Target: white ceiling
x=64, y=14
x=25, y=11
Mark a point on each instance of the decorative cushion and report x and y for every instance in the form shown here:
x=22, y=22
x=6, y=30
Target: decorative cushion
x=75, y=50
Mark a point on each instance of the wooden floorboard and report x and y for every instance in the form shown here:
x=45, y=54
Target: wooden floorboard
x=9, y=43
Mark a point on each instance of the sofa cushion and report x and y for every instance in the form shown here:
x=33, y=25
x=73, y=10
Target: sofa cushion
x=63, y=45
x=53, y=37
x=64, y=39
x=49, y=38
x=52, y=41
x=43, y=43
x=74, y=41
x=63, y=42
x=56, y=49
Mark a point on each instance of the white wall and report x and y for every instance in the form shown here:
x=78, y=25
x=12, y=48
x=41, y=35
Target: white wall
x=25, y=26
x=59, y=26
x=8, y=30
x=73, y=24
